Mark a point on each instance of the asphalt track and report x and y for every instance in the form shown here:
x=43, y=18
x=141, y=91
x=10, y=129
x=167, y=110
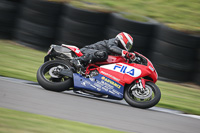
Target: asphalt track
x=25, y=96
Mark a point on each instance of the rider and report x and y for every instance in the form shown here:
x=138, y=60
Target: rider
x=120, y=45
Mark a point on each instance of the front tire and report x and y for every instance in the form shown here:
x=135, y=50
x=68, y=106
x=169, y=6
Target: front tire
x=142, y=100
x=52, y=82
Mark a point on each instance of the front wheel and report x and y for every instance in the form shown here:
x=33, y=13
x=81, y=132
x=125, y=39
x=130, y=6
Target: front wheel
x=142, y=99
x=49, y=79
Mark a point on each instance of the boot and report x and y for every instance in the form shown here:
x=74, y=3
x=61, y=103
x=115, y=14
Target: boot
x=77, y=64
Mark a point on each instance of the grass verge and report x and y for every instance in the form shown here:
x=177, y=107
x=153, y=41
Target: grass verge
x=21, y=122
x=181, y=15
x=22, y=62
x=19, y=61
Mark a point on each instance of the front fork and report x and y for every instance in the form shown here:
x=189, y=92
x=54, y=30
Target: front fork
x=141, y=84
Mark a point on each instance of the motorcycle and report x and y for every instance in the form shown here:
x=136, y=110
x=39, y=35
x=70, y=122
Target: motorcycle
x=116, y=78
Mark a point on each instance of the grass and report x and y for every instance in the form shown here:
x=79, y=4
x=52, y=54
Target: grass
x=91, y=6
x=21, y=62
x=179, y=97
x=182, y=15
x=21, y=122
x=18, y=61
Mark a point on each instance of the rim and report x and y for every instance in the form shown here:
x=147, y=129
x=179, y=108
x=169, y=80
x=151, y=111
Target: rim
x=141, y=96
x=50, y=72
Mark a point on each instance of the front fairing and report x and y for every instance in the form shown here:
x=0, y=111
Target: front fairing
x=126, y=73
x=146, y=71
x=154, y=74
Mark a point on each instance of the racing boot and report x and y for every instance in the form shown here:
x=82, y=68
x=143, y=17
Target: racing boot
x=77, y=64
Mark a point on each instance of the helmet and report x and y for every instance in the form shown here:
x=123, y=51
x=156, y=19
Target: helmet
x=126, y=40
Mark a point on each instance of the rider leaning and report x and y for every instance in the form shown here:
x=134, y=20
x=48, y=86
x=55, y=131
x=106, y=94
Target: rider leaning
x=120, y=45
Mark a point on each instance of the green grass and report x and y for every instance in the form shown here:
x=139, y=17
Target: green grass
x=21, y=122
x=182, y=15
x=18, y=61
x=179, y=14
x=91, y=6
x=179, y=97
x=21, y=62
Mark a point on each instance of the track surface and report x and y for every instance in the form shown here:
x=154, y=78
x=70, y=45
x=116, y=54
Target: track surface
x=34, y=99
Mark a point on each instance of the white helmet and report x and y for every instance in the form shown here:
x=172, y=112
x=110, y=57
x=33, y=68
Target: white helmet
x=126, y=40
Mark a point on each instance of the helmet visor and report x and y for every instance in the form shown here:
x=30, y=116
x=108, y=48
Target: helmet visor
x=128, y=46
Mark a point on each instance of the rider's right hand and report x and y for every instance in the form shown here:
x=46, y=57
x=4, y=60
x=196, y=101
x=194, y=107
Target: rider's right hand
x=131, y=56
x=128, y=55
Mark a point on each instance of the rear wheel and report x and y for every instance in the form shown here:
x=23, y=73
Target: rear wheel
x=49, y=78
x=135, y=97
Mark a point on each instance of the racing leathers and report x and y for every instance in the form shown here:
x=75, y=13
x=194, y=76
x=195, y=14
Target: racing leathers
x=99, y=52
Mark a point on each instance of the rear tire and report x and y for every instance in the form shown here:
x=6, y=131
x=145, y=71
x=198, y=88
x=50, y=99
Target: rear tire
x=57, y=84
x=133, y=100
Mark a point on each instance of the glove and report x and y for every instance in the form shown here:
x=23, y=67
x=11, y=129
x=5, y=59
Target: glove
x=137, y=59
x=132, y=56
x=128, y=55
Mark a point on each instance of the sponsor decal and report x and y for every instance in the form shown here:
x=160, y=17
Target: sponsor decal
x=151, y=68
x=92, y=79
x=116, y=92
x=111, y=92
x=97, y=85
x=111, y=82
x=124, y=69
x=83, y=83
x=77, y=51
x=93, y=86
x=104, y=88
x=109, y=75
x=100, y=84
x=98, y=89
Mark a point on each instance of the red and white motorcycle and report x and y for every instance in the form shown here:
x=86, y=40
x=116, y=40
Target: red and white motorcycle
x=116, y=78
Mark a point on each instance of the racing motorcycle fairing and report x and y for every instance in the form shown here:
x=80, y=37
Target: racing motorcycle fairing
x=153, y=76
x=100, y=84
x=115, y=68
x=115, y=78
x=75, y=49
x=111, y=78
x=59, y=52
x=127, y=73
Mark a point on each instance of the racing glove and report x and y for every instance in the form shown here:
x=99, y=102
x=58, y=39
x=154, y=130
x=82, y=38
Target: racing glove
x=128, y=55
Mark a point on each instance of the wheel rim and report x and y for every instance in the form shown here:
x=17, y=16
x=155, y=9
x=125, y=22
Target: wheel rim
x=51, y=75
x=141, y=96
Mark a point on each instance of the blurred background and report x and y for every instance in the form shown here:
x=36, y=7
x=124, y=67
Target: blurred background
x=166, y=31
